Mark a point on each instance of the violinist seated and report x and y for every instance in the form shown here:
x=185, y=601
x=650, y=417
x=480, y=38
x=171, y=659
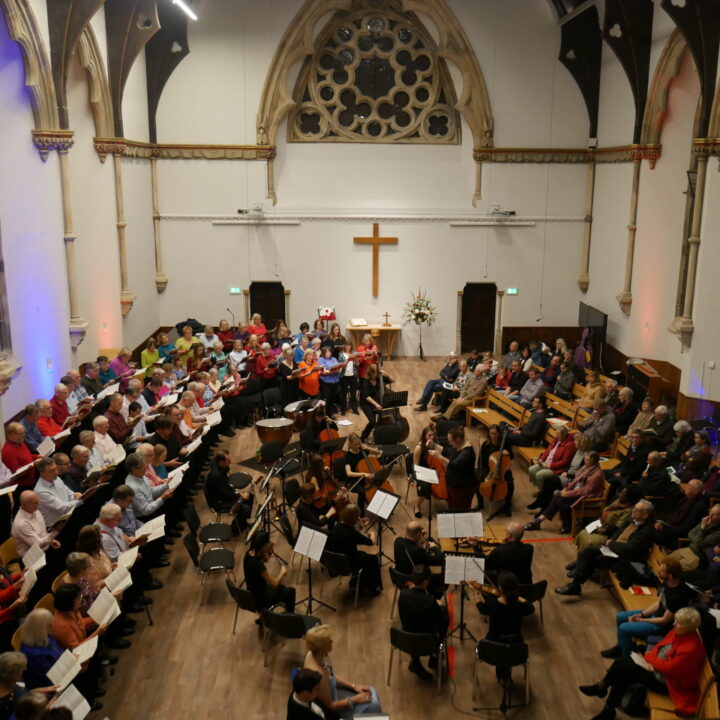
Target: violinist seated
x=415, y=549
x=223, y=496
x=344, y=539
x=421, y=612
x=356, y=453
x=512, y=555
x=505, y=609
x=308, y=514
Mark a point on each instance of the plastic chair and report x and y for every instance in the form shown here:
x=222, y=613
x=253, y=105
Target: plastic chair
x=212, y=560
x=507, y=655
x=9, y=555
x=285, y=625
x=416, y=645
x=338, y=565
x=16, y=641
x=244, y=600
x=400, y=581
x=534, y=594
x=57, y=582
x=218, y=532
x=46, y=602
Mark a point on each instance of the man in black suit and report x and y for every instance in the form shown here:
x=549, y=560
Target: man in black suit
x=656, y=482
x=412, y=550
x=630, y=543
x=632, y=466
x=420, y=612
x=682, y=516
x=513, y=555
x=223, y=496
x=300, y=705
x=533, y=430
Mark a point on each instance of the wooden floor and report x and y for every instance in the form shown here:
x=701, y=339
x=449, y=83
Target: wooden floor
x=189, y=665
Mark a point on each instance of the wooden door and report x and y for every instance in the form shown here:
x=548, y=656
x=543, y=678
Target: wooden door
x=478, y=317
x=268, y=299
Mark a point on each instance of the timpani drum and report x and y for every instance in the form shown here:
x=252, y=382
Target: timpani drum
x=300, y=414
x=278, y=430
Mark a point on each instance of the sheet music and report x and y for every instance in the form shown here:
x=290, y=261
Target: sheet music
x=21, y=470
x=310, y=543
x=73, y=701
x=382, y=504
x=8, y=489
x=465, y=524
x=427, y=475
x=194, y=445
x=105, y=608
x=454, y=569
x=64, y=670
x=117, y=455
x=214, y=418
x=445, y=525
x=62, y=434
x=638, y=659
x=170, y=399
x=475, y=569
x=219, y=404
x=35, y=558
x=127, y=559
x=118, y=580
x=30, y=580
x=343, y=422
x=607, y=552
x=154, y=529
x=45, y=447
x=85, y=650
x=109, y=390
x=176, y=477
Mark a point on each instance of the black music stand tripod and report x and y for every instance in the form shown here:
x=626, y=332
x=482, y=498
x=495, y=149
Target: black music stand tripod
x=302, y=546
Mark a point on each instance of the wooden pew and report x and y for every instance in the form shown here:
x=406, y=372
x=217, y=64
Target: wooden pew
x=589, y=508
x=620, y=449
x=564, y=408
x=506, y=410
x=662, y=708
x=531, y=454
x=638, y=602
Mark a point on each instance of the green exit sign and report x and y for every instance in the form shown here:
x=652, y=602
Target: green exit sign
x=235, y=291
x=512, y=291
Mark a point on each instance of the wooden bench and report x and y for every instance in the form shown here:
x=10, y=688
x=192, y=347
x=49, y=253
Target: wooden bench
x=589, y=509
x=627, y=599
x=619, y=451
x=506, y=410
x=531, y=454
x=565, y=408
x=662, y=708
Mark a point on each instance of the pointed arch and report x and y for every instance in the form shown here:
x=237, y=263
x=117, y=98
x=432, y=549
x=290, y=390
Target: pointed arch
x=666, y=70
x=23, y=29
x=98, y=86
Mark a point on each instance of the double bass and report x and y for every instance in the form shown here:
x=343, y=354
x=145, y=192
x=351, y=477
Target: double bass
x=390, y=416
x=494, y=487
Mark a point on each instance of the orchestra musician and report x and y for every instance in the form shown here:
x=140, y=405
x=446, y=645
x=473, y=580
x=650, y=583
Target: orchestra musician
x=416, y=549
x=425, y=444
x=308, y=514
x=370, y=398
x=459, y=470
x=353, y=457
x=512, y=555
x=487, y=448
x=267, y=589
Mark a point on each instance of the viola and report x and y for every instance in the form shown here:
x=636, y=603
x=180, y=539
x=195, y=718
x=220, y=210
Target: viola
x=370, y=465
x=494, y=487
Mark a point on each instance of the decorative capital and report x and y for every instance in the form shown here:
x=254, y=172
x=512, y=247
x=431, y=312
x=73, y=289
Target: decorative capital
x=625, y=299
x=161, y=281
x=47, y=140
x=109, y=146
x=683, y=327
x=78, y=329
x=584, y=281
x=9, y=369
x=127, y=300
x=706, y=146
x=651, y=153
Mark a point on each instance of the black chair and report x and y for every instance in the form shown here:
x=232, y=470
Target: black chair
x=285, y=625
x=338, y=565
x=244, y=600
x=534, y=594
x=388, y=438
x=292, y=492
x=400, y=581
x=416, y=645
x=507, y=655
x=240, y=480
x=217, y=510
x=212, y=532
x=272, y=402
x=213, y=560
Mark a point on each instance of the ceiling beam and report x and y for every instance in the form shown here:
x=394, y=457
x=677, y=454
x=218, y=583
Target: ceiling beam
x=577, y=11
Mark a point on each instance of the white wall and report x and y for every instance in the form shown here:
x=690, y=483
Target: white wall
x=32, y=241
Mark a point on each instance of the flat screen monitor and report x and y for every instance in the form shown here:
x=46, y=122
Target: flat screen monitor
x=590, y=317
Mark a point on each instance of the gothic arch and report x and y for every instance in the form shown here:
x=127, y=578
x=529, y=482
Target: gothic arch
x=667, y=69
x=23, y=29
x=98, y=87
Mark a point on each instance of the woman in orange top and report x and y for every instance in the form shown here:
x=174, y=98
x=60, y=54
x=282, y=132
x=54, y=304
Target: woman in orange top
x=309, y=376
x=370, y=348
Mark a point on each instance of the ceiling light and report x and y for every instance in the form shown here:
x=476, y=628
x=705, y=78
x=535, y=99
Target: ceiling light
x=184, y=7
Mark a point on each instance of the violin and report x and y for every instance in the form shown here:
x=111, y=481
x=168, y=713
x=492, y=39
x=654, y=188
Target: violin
x=487, y=589
x=480, y=541
x=370, y=465
x=494, y=487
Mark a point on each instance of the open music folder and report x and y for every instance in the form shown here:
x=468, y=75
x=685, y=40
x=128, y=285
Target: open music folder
x=310, y=543
x=455, y=525
x=461, y=568
x=382, y=504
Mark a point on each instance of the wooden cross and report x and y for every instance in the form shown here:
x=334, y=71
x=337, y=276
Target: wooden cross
x=376, y=241
x=387, y=319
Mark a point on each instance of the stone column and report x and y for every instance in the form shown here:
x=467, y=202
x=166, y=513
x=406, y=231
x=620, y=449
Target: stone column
x=584, y=279
x=287, y=309
x=161, y=279
x=497, y=348
x=625, y=297
x=127, y=297
x=458, y=324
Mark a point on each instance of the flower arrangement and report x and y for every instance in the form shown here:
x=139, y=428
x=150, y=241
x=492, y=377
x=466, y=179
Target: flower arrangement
x=326, y=313
x=420, y=310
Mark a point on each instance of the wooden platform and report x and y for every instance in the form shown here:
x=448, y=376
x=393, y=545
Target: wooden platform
x=189, y=665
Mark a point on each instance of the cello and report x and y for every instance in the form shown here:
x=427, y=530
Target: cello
x=494, y=487
x=439, y=490
x=370, y=465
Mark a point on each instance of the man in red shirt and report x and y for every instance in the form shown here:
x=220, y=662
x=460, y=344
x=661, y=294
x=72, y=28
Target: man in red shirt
x=47, y=426
x=119, y=428
x=60, y=410
x=16, y=454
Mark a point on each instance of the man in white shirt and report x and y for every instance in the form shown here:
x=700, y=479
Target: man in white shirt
x=103, y=442
x=208, y=338
x=148, y=499
x=29, y=525
x=56, y=498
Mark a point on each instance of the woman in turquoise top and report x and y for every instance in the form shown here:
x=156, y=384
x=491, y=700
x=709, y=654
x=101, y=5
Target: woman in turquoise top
x=165, y=347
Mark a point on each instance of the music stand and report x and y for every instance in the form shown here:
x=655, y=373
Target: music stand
x=334, y=445
x=430, y=476
x=394, y=399
x=382, y=506
x=262, y=518
x=311, y=544
x=458, y=570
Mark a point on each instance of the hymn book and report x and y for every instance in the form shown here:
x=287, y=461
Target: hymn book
x=30, y=580
x=35, y=558
x=105, y=608
x=85, y=650
x=118, y=580
x=63, y=672
x=127, y=559
x=73, y=701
